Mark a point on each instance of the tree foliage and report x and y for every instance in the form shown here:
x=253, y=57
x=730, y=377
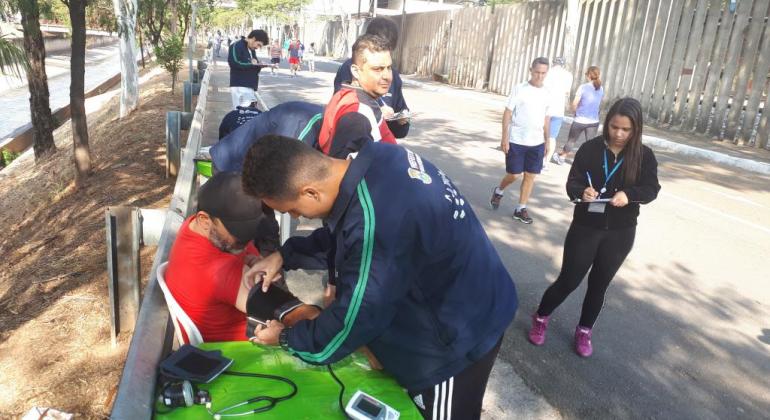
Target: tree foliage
x=222, y=18
x=278, y=9
x=99, y=14
x=12, y=58
x=170, y=55
x=151, y=18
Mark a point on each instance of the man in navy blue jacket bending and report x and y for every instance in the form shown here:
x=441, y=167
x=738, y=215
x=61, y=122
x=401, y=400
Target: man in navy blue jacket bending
x=245, y=67
x=418, y=280
x=295, y=119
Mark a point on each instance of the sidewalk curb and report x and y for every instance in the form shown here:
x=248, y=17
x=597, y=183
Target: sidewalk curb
x=660, y=143
x=717, y=157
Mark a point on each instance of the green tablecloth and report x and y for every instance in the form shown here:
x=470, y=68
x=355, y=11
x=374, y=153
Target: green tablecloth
x=317, y=391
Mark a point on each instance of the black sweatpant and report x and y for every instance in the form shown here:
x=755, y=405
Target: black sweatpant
x=460, y=396
x=603, y=251
x=575, y=130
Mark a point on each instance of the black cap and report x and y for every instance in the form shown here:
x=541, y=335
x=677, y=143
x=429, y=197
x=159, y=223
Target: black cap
x=222, y=197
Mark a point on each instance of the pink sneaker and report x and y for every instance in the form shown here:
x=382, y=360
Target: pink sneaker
x=583, y=341
x=539, y=325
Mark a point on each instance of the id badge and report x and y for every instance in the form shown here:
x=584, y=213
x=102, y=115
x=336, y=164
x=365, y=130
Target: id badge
x=596, y=207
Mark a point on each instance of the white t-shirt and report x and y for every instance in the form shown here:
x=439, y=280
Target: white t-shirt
x=529, y=106
x=559, y=82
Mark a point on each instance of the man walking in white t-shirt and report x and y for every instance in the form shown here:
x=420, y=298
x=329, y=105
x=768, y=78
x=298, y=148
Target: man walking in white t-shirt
x=525, y=131
x=559, y=82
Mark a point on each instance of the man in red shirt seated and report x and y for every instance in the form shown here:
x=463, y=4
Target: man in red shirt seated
x=208, y=258
x=361, y=97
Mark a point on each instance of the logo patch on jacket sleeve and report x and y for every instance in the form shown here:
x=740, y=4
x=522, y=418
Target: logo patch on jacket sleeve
x=416, y=168
x=422, y=176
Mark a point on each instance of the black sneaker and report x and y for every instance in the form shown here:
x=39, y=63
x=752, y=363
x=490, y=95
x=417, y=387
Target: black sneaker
x=495, y=200
x=522, y=216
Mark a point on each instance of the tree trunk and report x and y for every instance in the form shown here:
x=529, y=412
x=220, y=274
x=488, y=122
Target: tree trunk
x=571, y=32
x=37, y=80
x=141, y=48
x=82, y=152
x=172, y=21
x=125, y=11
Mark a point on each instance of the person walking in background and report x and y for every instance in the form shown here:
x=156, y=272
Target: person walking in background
x=559, y=82
x=286, y=43
x=218, y=43
x=301, y=54
x=614, y=166
x=588, y=99
x=275, y=57
x=310, y=57
x=525, y=130
x=294, y=57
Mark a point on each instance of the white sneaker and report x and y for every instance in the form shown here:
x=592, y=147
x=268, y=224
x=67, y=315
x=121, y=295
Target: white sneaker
x=557, y=159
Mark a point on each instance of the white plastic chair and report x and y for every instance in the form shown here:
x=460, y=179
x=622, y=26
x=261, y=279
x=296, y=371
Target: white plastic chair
x=182, y=322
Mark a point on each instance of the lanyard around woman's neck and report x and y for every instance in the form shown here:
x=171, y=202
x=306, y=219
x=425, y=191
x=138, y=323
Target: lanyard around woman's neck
x=609, y=173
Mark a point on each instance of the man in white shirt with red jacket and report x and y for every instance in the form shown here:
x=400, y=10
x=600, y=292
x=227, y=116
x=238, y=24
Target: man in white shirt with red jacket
x=372, y=75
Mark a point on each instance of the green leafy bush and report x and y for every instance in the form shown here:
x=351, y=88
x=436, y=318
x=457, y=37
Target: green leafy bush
x=8, y=157
x=170, y=56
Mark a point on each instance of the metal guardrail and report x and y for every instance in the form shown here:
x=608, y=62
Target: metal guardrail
x=153, y=336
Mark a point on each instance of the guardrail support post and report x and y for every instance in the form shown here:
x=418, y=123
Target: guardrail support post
x=190, y=90
x=123, y=239
x=187, y=96
x=173, y=128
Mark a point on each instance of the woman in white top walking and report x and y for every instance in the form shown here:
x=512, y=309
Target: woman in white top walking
x=310, y=57
x=588, y=99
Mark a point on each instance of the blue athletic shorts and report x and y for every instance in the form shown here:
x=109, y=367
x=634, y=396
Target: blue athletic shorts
x=555, y=127
x=524, y=159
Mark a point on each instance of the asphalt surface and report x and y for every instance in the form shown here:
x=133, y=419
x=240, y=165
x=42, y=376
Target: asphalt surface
x=685, y=330
x=101, y=64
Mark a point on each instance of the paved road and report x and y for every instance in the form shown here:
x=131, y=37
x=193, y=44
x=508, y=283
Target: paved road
x=101, y=64
x=685, y=330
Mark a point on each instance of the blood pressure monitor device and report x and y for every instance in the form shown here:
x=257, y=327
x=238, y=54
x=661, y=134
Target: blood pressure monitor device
x=365, y=407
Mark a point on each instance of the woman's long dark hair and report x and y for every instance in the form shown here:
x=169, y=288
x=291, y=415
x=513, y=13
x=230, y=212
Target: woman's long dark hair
x=632, y=152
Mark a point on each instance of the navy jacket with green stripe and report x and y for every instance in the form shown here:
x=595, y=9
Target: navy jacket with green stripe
x=418, y=280
x=242, y=72
x=295, y=119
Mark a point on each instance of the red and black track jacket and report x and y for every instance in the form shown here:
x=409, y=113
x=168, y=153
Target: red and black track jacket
x=351, y=100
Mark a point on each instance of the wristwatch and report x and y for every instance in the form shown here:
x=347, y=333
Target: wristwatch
x=283, y=339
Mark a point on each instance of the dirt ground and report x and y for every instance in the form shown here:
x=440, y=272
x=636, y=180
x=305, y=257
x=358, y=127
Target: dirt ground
x=55, y=348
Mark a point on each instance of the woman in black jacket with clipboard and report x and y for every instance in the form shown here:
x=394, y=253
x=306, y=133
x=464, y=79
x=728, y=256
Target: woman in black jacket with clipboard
x=611, y=176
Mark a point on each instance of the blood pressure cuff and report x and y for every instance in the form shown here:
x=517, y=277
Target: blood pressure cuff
x=273, y=304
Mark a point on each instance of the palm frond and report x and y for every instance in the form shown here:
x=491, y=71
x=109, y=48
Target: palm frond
x=13, y=61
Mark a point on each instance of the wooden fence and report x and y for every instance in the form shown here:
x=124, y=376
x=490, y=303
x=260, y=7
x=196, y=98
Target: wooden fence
x=695, y=65
x=333, y=38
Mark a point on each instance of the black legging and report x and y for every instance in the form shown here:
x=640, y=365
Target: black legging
x=603, y=251
x=575, y=130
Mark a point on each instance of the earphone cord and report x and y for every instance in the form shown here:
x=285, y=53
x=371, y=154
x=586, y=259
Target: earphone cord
x=342, y=390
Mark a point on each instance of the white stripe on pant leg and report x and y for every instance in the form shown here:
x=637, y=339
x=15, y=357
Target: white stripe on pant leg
x=449, y=400
x=435, y=400
x=443, y=400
